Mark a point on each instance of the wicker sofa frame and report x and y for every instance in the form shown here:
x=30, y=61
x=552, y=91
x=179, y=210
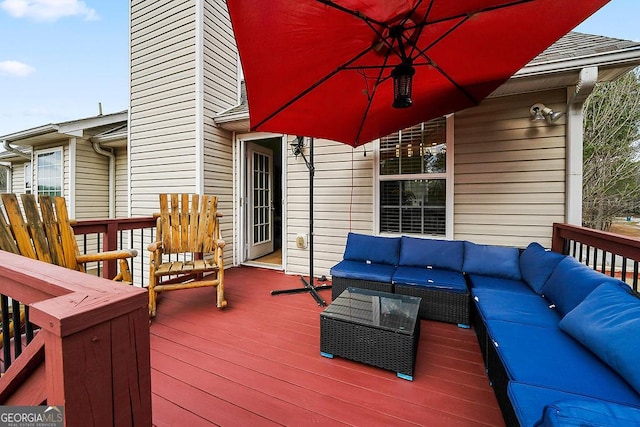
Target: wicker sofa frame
x=436, y=304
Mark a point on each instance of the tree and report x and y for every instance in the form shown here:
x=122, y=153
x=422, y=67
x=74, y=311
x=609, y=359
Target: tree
x=611, y=151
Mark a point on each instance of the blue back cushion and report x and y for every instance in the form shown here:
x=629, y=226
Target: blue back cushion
x=489, y=260
x=416, y=252
x=607, y=323
x=537, y=264
x=570, y=283
x=372, y=249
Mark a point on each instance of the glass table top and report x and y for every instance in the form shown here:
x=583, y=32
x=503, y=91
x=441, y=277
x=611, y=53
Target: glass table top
x=383, y=310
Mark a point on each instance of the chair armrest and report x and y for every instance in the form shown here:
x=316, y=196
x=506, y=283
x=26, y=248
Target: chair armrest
x=221, y=243
x=154, y=246
x=106, y=256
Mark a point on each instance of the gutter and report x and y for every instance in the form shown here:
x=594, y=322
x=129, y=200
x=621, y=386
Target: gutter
x=625, y=56
x=112, y=174
x=15, y=151
x=41, y=130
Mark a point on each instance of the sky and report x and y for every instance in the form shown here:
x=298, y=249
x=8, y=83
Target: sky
x=60, y=58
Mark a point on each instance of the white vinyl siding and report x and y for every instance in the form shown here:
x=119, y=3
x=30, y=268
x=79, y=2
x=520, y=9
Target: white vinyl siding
x=509, y=171
x=343, y=202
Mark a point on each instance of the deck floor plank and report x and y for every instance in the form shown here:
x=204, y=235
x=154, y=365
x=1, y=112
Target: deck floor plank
x=257, y=362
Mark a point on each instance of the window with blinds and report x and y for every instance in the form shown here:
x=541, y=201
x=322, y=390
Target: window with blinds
x=413, y=180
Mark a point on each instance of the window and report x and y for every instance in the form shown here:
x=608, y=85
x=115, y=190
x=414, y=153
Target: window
x=49, y=172
x=28, y=178
x=4, y=179
x=413, y=180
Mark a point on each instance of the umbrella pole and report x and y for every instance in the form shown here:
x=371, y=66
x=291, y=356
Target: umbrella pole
x=309, y=286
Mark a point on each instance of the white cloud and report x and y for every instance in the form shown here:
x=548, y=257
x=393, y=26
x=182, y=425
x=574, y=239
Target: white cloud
x=48, y=10
x=15, y=68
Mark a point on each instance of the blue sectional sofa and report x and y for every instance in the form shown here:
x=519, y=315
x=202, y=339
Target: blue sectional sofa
x=426, y=268
x=560, y=341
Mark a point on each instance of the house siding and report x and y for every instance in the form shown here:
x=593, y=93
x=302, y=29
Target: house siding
x=183, y=72
x=219, y=92
x=92, y=182
x=17, y=177
x=122, y=183
x=343, y=201
x=162, y=126
x=509, y=171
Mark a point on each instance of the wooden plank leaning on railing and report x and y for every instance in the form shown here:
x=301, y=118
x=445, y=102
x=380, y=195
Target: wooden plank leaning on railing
x=90, y=352
x=609, y=253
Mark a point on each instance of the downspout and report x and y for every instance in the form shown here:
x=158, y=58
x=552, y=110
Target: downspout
x=112, y=175
x=10, y=149
x=575, y=132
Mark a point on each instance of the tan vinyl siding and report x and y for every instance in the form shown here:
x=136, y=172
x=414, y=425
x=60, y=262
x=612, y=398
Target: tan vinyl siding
x=509, y=171
x=122, y=183
x=218, y=181
x=163, y=102
x=92, y=182
x=220, y=92
x=17, y=178
x=219, y=59
x=343, y=202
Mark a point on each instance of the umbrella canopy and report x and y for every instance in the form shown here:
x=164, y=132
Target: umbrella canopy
x=326, y=68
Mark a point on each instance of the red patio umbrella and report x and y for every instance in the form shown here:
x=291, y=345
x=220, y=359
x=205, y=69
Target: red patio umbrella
x=327, y=69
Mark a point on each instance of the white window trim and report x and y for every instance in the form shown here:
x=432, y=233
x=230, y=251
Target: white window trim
x=448, y=176
x=34, y=188
x=29, y=174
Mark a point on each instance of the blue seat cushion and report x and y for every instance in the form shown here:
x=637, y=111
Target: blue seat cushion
x=589, y=413
x=363, y=271
x=547, y=357
x=570, y=283
x=607, y=322
x=372, y=249
x=529, y=402
x=490, y=260
x=430, y=278
x=537, y=264
x=530, y=309
x=416, y=252
x=498, y=283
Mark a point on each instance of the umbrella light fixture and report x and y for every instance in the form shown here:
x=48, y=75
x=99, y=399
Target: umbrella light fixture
x=402, y=79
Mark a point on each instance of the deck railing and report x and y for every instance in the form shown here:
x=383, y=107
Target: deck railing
x=88, y=349
x=118, y=233
x=609, y=253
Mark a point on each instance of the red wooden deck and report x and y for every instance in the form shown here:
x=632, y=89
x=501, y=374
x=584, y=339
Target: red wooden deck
x=258, y=362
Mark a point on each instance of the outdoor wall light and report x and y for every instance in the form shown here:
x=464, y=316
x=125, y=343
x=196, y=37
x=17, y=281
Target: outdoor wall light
x=402, y=80
x=539, y=112
x=297, y=146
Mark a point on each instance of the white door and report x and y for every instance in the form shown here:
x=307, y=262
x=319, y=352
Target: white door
x=259, y=200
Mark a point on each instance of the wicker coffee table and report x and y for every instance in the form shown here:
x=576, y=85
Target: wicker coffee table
x=376, y=328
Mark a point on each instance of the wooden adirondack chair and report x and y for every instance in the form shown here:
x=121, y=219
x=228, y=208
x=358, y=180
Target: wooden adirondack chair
x=187, y=225
x=45, y=234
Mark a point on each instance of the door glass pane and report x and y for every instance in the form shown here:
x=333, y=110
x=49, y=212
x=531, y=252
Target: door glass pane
x=261, y=199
